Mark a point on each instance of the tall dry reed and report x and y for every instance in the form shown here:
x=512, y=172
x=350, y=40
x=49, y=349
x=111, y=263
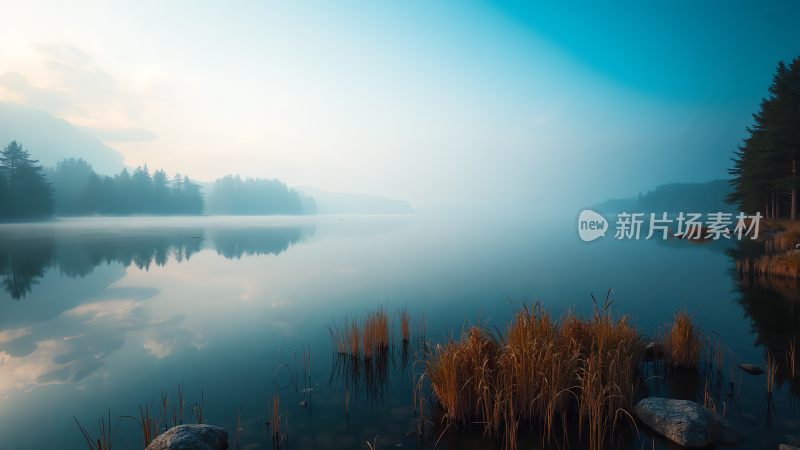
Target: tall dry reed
x=103, y=440
x=786, y=264
x=770, y=370
x=550, y=374
x=682, y=343
x=375, y=333
x=405, y=321
x=346, y=339
x=365, y=339
x=461, y=375
x=277, y=422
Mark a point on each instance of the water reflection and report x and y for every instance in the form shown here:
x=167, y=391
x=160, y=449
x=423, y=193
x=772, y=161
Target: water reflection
x=22, y=265
x=368, y=377
x=233, y=244
x=773, y=306
x=26, y=255
x=65, y=330
x=77, y=342
x=76, y=315
x=106, y=316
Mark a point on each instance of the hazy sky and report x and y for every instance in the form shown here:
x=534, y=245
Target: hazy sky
x=441, y=103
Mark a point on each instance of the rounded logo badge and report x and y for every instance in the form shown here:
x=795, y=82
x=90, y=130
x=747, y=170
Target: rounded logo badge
x=591, y=225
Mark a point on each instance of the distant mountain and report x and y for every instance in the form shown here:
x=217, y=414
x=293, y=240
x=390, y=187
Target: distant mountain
x=50, y=139
x=336, y=203
x=676, y=197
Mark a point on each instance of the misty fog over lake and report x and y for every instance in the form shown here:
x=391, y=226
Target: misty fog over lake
x=418, y=224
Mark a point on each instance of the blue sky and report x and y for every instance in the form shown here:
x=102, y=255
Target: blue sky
x=447, y=104
x=693, y=51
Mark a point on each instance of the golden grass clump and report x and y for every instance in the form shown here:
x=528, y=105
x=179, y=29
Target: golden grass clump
x=782, y=242
x=405, y=321
x=346, y=339
x=682, y=344
x=538, y=365
x=608, y=376
x=620, y=348
x=545, y=372
x=462, y=373
x=364, y=339
x=785, y=238
x=375, y=332
x=352, y=337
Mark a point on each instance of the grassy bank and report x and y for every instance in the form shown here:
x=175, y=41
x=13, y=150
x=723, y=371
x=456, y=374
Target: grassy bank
x=776, y=253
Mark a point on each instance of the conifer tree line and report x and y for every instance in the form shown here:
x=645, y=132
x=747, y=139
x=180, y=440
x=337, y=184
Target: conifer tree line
x=29, y=191
x=72, y=188
x=234, y=195
x=78, y=191
x=765, y=168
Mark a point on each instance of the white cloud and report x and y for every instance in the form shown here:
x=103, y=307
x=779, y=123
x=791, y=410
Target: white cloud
x=66, y=81
x=77, y=343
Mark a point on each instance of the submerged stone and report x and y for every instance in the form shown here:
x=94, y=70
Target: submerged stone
x=191, y=437
x=685, y=422
x=751, y=369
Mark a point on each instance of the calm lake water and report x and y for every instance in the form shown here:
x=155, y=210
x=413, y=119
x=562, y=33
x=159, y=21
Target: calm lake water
x=105, y=313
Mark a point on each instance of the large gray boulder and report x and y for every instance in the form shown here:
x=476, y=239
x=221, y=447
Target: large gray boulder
x=191, y=437
x=685, y=422
x=787, y=447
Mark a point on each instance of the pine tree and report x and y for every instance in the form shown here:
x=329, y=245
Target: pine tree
x=4, y=194
x=161, y=193
x=70, y=182
x=192, y=197
x=142, y=190
x=27, y=190
x=765, y=171
x=123, y=195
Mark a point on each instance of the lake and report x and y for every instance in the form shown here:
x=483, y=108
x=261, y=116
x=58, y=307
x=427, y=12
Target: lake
x=102, y=313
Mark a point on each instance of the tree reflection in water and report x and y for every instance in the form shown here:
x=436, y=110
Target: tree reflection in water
x=26, y=256
x=773, y=306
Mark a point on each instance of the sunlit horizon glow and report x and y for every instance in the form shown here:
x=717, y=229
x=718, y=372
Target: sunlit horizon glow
x=445, y=104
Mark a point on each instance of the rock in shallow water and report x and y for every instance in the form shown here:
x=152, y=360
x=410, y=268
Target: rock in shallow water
x=685, y=422
x=787, y=447
x=751, y=369
x=191, y=437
